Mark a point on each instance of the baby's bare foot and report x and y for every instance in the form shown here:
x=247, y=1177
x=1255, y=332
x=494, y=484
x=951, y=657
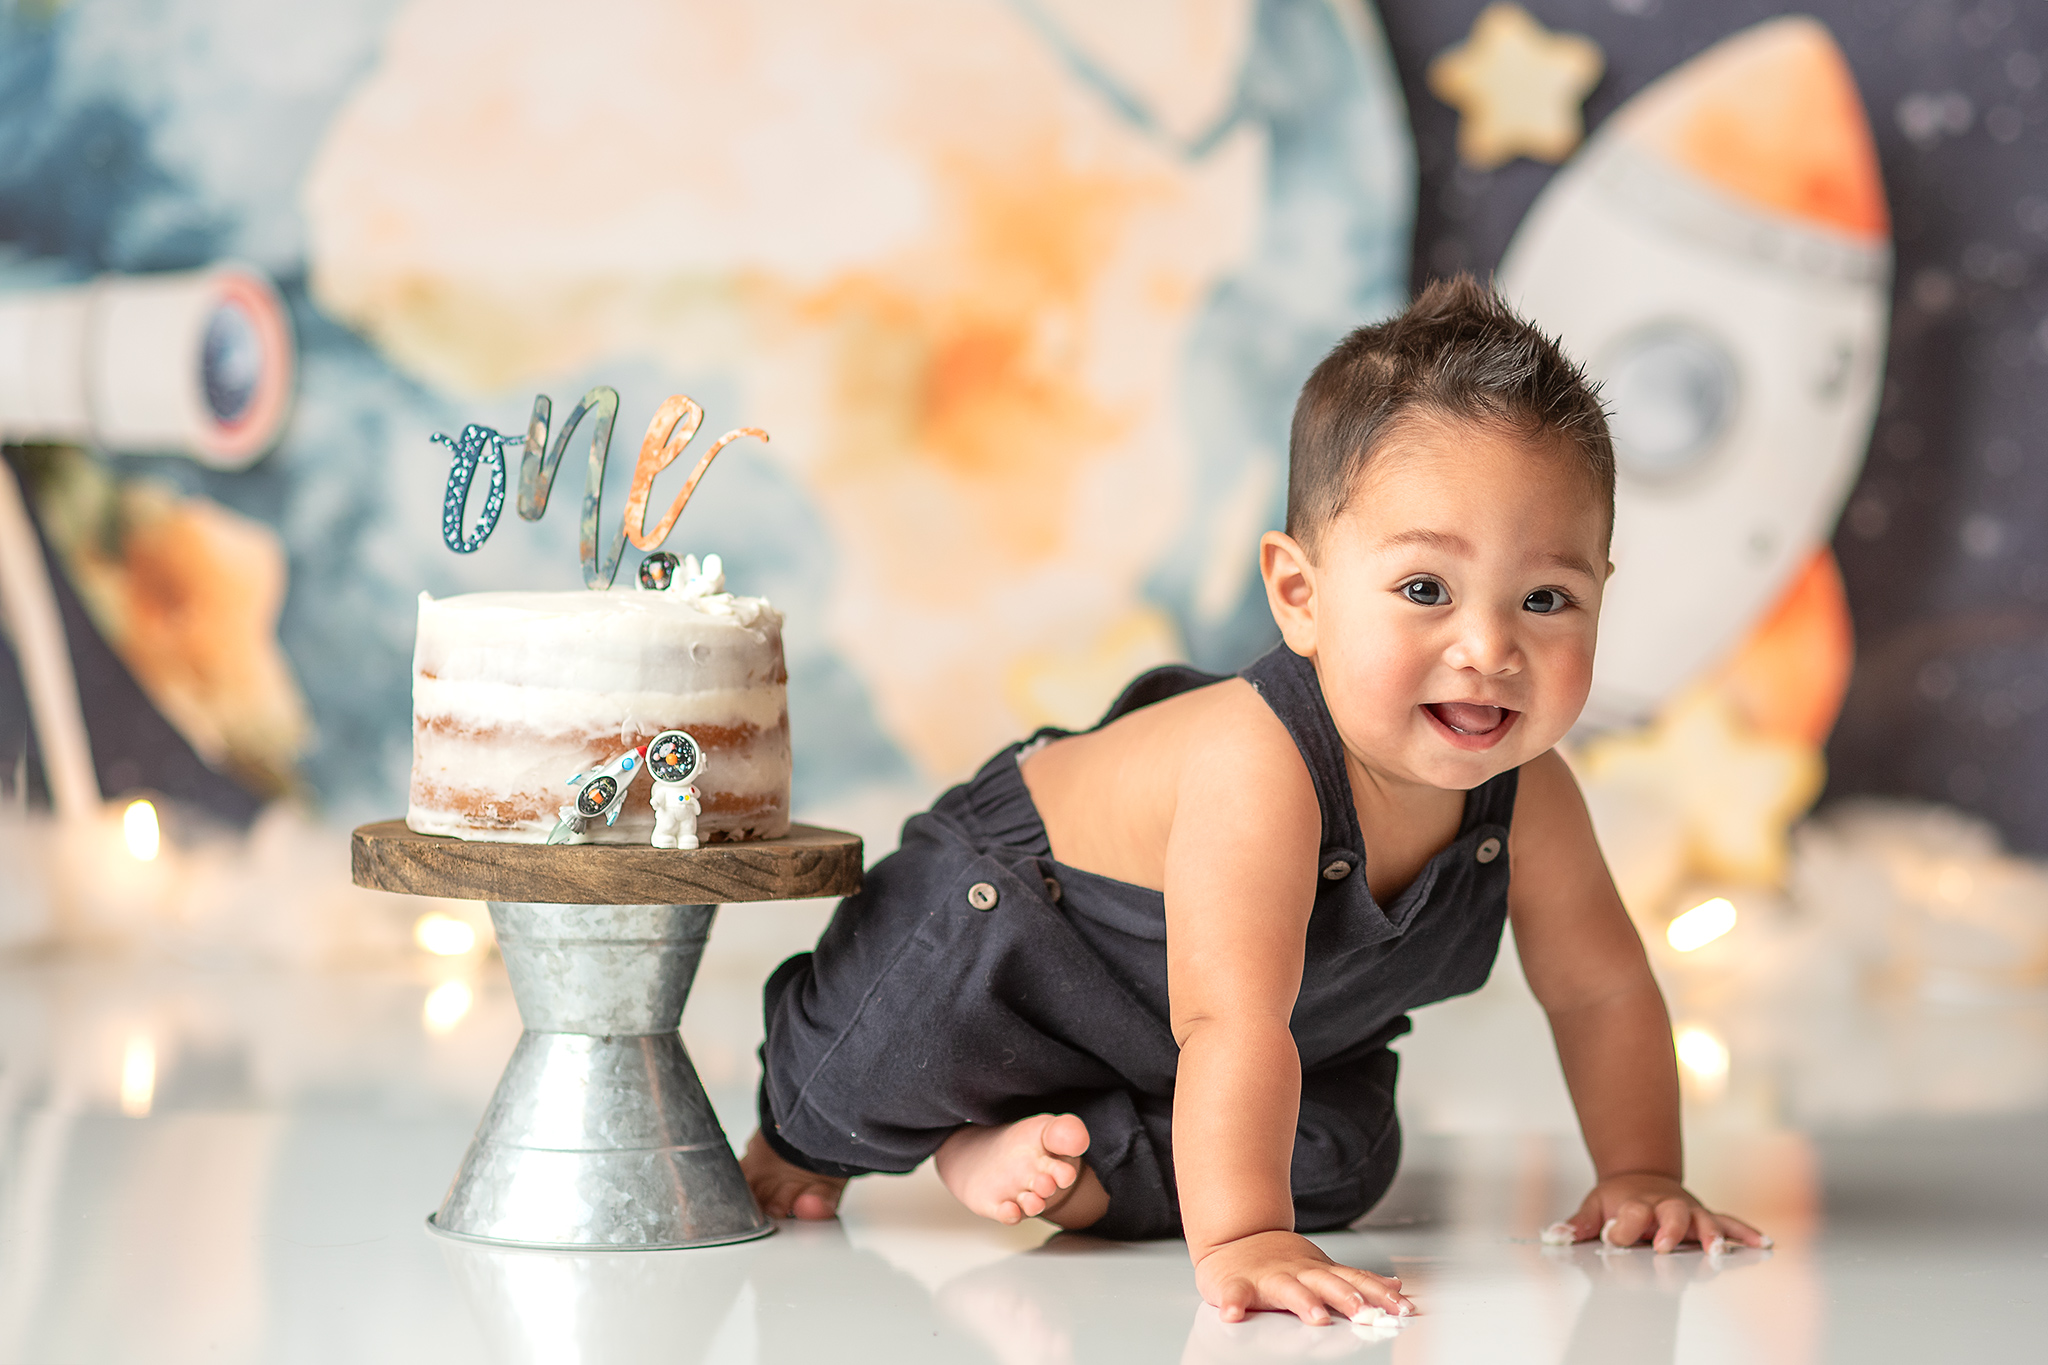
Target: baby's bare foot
x=786, y=1191
x=1028, y=1169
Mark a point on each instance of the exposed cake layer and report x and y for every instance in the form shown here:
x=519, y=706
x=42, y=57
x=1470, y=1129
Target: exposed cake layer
x=514, y=692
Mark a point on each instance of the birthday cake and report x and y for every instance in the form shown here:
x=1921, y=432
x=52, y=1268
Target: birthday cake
x=515, y=694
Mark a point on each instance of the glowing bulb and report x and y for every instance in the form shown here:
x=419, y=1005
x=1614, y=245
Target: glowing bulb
x=443, y=935
x=1701, y=925
x=138, y=1074
x=138, y=827
x=1701, y=1053
x=446, y=1004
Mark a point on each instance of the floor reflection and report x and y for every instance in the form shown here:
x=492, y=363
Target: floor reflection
x=1631, y=1308
x=222, y=1167
x=606, y=1308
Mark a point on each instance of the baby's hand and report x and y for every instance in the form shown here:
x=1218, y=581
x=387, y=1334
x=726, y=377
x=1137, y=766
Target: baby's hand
x=1288, y=1272
x=1624, y=1209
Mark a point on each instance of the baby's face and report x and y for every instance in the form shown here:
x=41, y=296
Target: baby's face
x=1455, y=602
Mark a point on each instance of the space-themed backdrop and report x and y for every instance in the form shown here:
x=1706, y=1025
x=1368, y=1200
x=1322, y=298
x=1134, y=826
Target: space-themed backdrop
x=1022, y=291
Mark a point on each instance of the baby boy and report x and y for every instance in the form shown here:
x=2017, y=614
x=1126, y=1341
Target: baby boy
x=1142, y=979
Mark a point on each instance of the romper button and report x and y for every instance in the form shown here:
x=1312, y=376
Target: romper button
x=981, y=896
x=1052, y=890
x=1488, y=850
x=1337, y=871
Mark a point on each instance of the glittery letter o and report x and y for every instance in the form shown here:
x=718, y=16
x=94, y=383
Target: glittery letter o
x=476, y=444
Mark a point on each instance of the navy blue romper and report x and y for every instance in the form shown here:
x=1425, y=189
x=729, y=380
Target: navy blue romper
x=930, y=1003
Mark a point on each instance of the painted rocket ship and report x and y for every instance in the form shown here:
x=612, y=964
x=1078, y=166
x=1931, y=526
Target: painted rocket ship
x=1719, y=257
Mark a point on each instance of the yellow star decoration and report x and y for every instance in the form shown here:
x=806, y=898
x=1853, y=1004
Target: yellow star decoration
x=1517, y=87
x=1736, y=794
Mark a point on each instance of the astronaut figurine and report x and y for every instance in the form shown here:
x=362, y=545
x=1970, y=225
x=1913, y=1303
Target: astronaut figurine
x=675, y=761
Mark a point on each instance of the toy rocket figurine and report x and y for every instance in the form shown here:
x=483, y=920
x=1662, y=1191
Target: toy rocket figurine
x=600, y=792
x=674, y=761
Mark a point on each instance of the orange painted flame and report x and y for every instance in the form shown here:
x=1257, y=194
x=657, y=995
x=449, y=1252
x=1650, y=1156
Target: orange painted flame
x=1772, y=116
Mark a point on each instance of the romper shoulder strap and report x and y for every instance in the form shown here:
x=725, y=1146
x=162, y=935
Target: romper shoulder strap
x=1289, y=685
x=1168, y=680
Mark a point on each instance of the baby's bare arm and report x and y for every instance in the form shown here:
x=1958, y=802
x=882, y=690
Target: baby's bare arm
x=1240, y=882
x=1588, y=970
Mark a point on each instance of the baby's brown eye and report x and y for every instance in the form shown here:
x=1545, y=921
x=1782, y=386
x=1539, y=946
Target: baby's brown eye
x=1545, y=601
x=1426, y=592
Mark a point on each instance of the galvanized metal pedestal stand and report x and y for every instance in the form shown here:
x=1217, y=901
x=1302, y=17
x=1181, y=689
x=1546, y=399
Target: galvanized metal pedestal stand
x=600, y=1135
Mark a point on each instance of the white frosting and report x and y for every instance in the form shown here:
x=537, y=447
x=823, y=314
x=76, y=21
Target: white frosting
x=598, y=640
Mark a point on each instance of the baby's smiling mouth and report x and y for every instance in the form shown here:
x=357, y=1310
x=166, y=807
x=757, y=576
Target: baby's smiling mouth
x=1468, y=718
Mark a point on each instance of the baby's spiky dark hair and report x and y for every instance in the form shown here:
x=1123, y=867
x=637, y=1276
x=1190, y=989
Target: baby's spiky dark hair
x=1457, y=352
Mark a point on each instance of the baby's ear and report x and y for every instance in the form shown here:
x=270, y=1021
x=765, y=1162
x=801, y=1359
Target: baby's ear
x=1290, y=577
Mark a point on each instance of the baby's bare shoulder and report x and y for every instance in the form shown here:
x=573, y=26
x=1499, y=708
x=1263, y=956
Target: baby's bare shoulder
x=1236, y=763
x=1195, y=732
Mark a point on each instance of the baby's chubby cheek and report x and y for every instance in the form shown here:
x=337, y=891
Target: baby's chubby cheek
x=1555, y=698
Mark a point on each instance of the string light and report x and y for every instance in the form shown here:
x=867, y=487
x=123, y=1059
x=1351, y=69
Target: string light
x=446, y=1004
x=138, y=1075
x=1704, y=1055
x=1701, y=925
x=443, y=935
x=139, y=828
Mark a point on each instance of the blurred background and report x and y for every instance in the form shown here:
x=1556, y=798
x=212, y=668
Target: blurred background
x=1023, y=290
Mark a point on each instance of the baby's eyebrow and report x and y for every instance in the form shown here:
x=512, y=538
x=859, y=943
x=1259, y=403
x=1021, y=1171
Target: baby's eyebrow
x=1435, y=540
x=1458, y=545
x=1575, y=563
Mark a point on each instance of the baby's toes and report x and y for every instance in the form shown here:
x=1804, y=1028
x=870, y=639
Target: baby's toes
x=1065, y=1136
x=815, y=1204
x=1008, y=1212
x=1031, y=1203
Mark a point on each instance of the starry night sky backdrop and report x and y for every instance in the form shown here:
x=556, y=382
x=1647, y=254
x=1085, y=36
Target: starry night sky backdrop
x=1942, y=545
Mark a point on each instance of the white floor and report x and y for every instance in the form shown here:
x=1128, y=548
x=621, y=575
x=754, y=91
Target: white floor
x=234, y=1165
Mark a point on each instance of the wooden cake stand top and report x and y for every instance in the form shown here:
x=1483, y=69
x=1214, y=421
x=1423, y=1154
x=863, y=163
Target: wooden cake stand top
x=807, y=861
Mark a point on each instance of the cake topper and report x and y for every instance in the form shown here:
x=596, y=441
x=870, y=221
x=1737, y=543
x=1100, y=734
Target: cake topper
x=475, y=443
x=600, y=793
x=658, y=571
x=678, y=420
x=674, y=761
x=674, y=426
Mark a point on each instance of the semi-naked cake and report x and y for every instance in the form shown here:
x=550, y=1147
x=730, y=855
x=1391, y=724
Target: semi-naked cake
x=515, y=692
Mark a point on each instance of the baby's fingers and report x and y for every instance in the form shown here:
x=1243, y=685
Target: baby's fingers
x=1339, y=1291
x=1234, y=1298
x=1378, y=1291
x=1737, y=1230
x=1674, y=1220
x=1294, y=1294
x=1629, y=1223
x=1582, y=1226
